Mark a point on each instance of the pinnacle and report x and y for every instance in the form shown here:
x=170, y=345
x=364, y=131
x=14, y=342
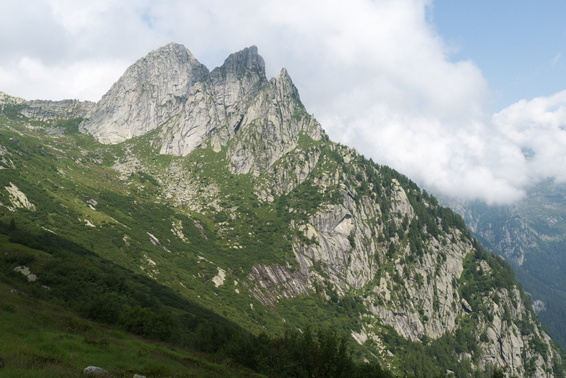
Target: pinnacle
x=243, y=61
x=284, y=81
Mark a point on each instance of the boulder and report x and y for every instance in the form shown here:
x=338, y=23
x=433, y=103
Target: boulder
x=94, y=370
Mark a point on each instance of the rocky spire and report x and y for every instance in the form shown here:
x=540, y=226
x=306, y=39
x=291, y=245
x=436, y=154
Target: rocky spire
x=285, y=85
x=242, y=63
x=239, y=78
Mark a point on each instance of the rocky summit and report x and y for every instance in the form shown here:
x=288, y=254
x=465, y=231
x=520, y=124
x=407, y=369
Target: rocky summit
x=171, y=92
x=220, y=186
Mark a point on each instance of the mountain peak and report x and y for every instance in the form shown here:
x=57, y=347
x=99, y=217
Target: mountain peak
x=170, y=90
x=177, y=51
x=175, y=58
x=173, y=46
x=243, y=62
x=150, y=92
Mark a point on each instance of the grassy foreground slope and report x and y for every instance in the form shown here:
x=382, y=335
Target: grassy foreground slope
x=48, y=331
x=40, y=339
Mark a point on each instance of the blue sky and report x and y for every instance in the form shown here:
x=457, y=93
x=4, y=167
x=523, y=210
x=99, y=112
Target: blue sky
x=449, y=92
x=520, y=46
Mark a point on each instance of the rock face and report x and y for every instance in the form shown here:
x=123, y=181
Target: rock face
x=53, y=110
x=150, y=92
x=171, y=92
x=45, y=110
x=423, y=290
x=18, y=199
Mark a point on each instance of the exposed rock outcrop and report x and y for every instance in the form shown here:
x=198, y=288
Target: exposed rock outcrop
x=18, y=199
x=46, y=110
x=6, y=99
x=95, y=371
x=53, y=110
x=350, y=249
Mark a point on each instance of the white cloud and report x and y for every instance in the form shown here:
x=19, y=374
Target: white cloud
x=59, y=49
x=66, y=80
x=538, y=128
x=374, y=72
x=467, y=161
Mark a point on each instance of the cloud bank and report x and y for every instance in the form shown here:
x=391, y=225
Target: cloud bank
x=375, y=73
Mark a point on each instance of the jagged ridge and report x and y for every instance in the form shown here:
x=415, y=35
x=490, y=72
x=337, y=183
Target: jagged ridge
x=170, y=91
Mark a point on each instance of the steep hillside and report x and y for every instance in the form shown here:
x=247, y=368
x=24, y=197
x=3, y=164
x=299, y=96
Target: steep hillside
x=531, y=235
x=220, y=186
x=67, y=309
x=46, y=339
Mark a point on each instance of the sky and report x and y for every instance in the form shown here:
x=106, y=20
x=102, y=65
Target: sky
x=468, y=99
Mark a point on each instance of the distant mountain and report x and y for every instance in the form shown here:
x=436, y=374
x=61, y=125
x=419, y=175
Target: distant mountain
x=531, y=235
x=221, y=187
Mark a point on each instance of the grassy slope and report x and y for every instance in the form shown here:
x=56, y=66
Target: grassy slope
x=40, y=339
x=60, y=174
